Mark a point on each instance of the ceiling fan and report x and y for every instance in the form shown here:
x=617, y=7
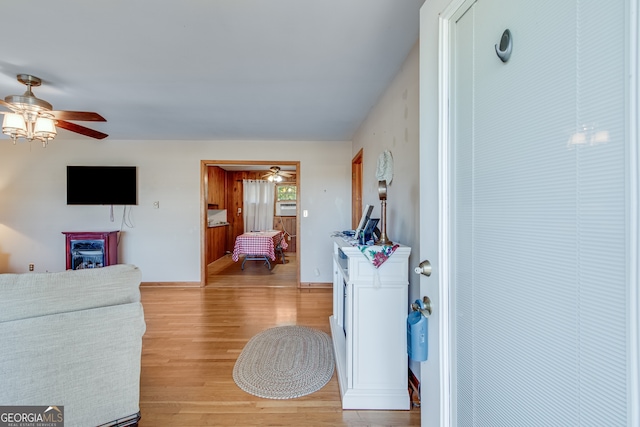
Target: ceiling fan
x=34, y=118
x=275, y=174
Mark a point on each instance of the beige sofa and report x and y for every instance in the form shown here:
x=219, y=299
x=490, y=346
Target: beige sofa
x=73, y=339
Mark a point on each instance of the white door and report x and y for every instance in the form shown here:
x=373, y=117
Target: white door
x=529, y=180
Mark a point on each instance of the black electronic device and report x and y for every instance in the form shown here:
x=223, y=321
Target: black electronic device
x=368, y=233
x=102, y=185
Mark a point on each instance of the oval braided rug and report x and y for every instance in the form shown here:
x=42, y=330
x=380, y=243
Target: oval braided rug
x=285, y=362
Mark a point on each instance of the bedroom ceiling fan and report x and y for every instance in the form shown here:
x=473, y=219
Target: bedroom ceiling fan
x=34, y=118
x=275, y=174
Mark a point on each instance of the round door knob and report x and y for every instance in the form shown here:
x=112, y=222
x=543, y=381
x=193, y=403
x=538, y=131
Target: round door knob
x=423, y=268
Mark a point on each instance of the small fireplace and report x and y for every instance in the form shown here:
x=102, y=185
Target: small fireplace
x=91, y=249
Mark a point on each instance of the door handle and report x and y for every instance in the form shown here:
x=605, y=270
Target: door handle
x=423, y=306
x=423, y=268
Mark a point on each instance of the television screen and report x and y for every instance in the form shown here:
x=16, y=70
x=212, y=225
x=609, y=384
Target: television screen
x=102, y=185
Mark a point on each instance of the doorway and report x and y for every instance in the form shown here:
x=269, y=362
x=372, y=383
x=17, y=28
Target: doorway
x=221, y=194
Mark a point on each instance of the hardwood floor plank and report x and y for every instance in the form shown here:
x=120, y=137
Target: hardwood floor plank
x=227, y=273
x=195, y=335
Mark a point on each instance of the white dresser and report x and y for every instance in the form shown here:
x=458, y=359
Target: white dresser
x=369, y=329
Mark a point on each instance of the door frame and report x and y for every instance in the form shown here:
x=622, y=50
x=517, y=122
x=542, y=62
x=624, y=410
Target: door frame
x=356, y=188
x=203, y=206
x=446, y=21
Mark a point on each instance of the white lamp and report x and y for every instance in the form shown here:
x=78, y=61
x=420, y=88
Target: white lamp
x=44, y=130
x=14, y=126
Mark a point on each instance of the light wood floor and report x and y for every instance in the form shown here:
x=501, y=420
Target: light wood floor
x=226, y=273
x=194, y=336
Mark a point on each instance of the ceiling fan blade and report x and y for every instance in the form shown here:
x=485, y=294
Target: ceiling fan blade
x=81, y=129
x=77, y=115
x=6, y=104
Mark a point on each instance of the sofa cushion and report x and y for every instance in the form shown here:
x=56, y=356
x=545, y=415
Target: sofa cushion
x=39, y=294
x=87, y=361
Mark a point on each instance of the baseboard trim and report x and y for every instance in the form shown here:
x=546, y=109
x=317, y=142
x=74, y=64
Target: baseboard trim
x=308, y=285
x=171, y=284
x=315, y=285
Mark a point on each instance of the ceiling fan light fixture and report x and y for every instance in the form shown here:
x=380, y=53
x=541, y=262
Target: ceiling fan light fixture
x=44, y=130
x=275, y=174
x=15, y=126
x=34, y=118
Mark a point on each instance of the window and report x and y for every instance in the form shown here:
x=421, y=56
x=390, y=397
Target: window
x=286, y=192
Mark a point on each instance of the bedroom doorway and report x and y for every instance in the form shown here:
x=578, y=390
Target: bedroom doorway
x=221, y=187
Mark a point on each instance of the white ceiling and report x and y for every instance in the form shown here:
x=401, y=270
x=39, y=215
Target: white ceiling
x=217, y=69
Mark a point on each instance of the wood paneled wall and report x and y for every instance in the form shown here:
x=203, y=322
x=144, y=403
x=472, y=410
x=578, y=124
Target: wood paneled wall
x=216, y=186
x=216, y=243
x=288, y=225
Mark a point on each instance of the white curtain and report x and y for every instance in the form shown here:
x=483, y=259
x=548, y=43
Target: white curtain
x=258, y=203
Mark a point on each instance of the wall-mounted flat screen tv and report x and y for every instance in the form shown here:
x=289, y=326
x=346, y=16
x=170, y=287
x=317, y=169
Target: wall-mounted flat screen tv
x=102, y=185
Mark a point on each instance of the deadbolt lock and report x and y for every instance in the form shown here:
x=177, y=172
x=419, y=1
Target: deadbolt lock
x=423, y=268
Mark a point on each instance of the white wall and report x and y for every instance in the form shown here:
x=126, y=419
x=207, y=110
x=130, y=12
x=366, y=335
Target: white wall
x=392, y=124
x=165, y=242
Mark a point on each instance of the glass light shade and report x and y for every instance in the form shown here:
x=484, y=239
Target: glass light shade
x=14, y=125
x=278, y=178
x=44, y=129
